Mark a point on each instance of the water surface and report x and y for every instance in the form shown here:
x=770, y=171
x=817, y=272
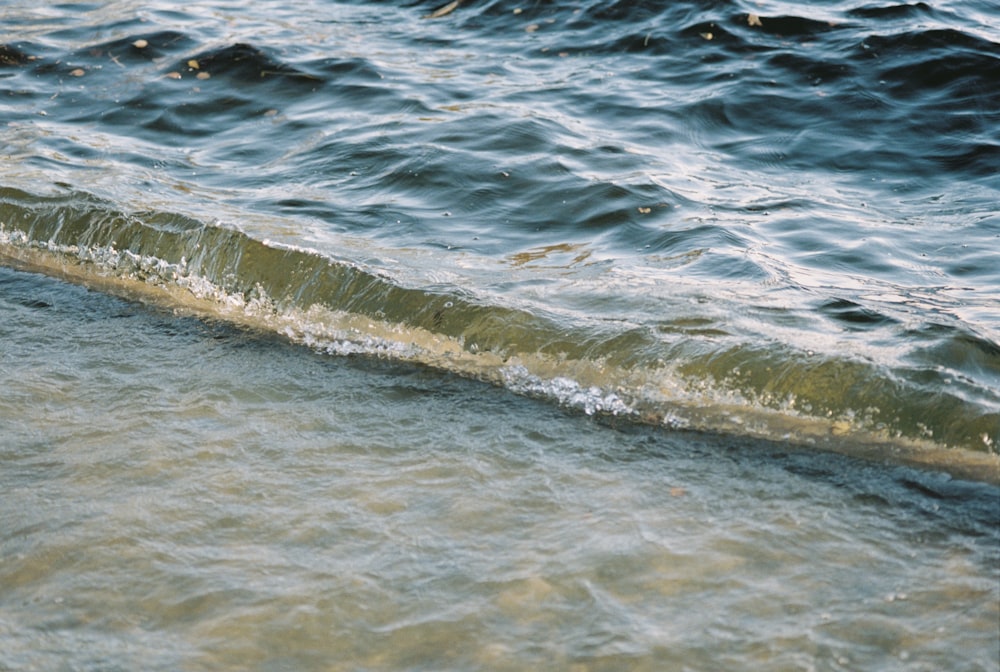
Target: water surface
x=188, y=495
x=608, y=334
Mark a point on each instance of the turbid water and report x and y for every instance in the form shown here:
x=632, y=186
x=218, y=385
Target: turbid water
x=490, y=336
x=182, y=494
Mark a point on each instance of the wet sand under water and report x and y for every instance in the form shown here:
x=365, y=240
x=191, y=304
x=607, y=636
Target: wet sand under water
x=183, y=493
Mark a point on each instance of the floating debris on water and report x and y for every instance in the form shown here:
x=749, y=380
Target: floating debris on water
x=444, y=10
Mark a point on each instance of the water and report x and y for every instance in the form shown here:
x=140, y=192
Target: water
x=596, y=335
x=189, y=495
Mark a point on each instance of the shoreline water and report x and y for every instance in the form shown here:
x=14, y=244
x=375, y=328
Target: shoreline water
x=185, y=493
x=571, y=335
x=627, y=230
x=828, y=437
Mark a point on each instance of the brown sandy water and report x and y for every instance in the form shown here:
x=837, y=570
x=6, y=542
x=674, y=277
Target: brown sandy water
x=186, y=494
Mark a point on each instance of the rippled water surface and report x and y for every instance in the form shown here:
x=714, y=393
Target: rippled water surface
x=487, y=335
x=186, y=495
x=706, y=215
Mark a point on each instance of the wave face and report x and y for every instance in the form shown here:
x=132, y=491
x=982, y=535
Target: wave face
x=728, y=217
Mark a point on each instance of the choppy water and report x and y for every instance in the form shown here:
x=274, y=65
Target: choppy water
x=738, y=235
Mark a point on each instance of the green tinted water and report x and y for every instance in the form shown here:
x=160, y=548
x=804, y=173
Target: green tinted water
x=184, y=494
x=788, y=230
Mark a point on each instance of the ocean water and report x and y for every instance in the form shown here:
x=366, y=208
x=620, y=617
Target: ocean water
x=491, y=335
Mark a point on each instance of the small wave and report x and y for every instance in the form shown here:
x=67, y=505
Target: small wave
x=695, y=380
x=721, y=220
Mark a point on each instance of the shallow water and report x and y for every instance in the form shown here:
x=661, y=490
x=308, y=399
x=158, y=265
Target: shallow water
x=188, y=495
x=565, y=335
